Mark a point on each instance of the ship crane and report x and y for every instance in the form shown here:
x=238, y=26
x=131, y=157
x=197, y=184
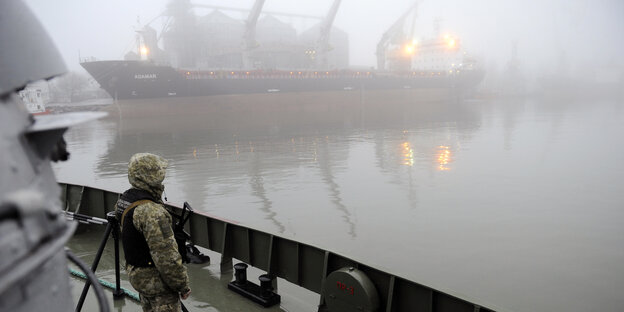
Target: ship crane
x=224, y=8
x=322, y=44
x=249, y=37
x=394, y=35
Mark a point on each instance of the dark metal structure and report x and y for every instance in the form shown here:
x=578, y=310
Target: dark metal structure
x=344, y=284
x=33, y=230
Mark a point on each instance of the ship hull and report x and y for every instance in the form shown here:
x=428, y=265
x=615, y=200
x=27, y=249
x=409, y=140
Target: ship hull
x=144, y=80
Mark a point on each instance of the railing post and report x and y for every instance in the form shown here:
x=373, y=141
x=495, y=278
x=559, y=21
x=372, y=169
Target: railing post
x=226, y=264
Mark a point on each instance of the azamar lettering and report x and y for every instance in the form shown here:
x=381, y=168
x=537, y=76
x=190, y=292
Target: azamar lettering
x=145, y=76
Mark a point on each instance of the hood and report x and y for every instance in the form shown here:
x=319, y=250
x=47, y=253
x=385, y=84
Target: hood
x=146, y=172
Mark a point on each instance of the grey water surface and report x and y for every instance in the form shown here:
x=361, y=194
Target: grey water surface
x=516, y=203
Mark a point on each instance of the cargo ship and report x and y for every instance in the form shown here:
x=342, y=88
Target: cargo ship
x=216, y=54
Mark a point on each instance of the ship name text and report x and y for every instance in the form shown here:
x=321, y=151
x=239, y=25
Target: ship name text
x=145, y=76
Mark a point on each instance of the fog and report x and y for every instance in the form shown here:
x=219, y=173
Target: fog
x=486, y=181
x=582, y=35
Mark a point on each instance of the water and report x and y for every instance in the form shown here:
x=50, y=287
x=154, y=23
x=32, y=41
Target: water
x=515, y=203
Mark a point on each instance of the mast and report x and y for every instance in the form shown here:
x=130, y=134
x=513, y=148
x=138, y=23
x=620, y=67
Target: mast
x=322, y=45
x=249, y=37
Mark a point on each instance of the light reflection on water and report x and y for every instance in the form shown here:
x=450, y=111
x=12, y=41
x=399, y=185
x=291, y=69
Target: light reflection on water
x=511, y=203
x=443, y=158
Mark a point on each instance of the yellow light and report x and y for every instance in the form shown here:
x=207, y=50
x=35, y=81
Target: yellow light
x=408, y=154
x=144, y=51
x=443, y=158
x=410, y=49
x=451, y=43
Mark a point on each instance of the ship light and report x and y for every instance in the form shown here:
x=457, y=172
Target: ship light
x=144, y=50
x=410, y=49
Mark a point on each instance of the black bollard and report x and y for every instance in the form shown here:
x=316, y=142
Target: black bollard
x=240, y=274
x=263, y=294
x=266, y=284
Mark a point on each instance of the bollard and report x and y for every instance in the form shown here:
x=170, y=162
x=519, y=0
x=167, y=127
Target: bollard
x=240, y=274
x=266, y=284
x=263, y=294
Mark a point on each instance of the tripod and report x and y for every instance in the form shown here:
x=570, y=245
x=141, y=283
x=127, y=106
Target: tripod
x=112, y=226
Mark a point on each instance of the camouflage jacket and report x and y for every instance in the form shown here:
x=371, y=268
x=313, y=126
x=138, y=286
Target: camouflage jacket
x=169, y=274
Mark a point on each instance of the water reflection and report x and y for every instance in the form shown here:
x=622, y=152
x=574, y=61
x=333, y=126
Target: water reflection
x=256, y=182
x=328, y=168
x=408, y=154
x=443, y=158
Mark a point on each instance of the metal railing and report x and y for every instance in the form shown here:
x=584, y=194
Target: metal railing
x=298, y=263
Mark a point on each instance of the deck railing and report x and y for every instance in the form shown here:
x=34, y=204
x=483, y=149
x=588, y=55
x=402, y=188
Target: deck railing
x=298, y=263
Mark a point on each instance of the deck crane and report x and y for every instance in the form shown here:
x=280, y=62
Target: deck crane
x=394, y=35
x=322, y=44
x=249, y=37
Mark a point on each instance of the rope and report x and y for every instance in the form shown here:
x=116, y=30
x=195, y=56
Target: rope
x=91, y=278
x=107, y=284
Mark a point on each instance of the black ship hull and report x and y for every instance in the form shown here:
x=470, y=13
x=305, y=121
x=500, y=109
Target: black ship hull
x=143, y=80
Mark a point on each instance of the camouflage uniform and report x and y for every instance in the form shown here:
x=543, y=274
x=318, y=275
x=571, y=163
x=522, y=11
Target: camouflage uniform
x=160, y=286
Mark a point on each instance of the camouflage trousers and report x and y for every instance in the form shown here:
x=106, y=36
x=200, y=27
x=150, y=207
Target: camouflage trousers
x=164, y=303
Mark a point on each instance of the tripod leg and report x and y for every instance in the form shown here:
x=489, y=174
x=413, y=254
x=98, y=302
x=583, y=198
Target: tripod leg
x=117, y=293
x=96, y=261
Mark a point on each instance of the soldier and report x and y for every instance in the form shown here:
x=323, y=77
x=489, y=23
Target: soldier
x=153, y=262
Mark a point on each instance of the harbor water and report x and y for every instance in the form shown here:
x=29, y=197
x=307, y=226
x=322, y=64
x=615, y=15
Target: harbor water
x=516, y=203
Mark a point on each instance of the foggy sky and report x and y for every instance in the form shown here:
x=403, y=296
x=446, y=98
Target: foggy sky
x=583, y=33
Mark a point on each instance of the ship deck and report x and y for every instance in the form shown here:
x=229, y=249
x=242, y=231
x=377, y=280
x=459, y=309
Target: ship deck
x=303, y=272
